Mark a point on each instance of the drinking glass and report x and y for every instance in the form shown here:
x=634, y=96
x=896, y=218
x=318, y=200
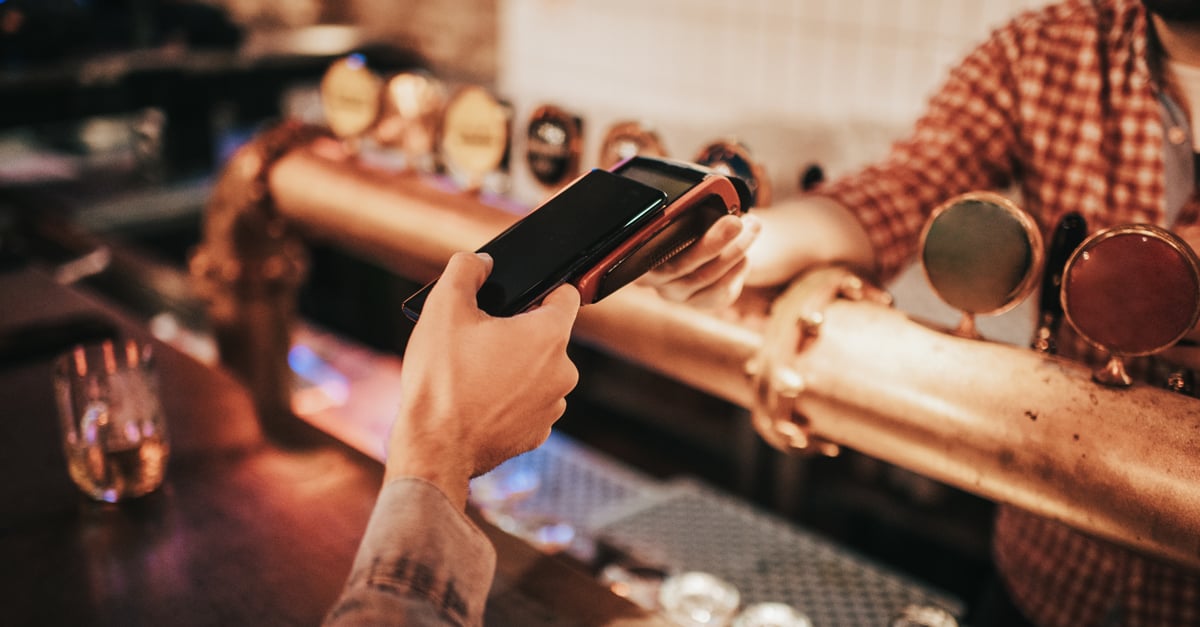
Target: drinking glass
x=114, y=432
x=698, y=599
x=916, y=615
x=771, y=614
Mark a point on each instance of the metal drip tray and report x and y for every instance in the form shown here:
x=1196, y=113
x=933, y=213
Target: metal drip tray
x=683, y=525
x=692, y=527
x=570, y=482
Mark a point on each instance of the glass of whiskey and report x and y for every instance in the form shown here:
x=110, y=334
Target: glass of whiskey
x=114, y=431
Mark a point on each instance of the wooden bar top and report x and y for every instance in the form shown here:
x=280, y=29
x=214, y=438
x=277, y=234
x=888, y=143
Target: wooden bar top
x=244, y=531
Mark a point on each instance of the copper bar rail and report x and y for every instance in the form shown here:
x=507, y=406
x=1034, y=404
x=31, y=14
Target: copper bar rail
x=999, y=421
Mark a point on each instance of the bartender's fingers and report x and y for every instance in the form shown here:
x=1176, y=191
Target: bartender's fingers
x=715, y=239
x=726, y=242
x=461, y=280
x=724, y=271
x=721, y=292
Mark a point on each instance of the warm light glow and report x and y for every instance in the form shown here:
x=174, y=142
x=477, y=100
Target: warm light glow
x=81, y=368
x=110, y=358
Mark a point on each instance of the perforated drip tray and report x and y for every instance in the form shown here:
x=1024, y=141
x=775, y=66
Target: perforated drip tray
x=692, y=527
x=683, y=525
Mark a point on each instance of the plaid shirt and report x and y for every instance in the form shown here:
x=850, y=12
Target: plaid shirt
x=1064, y=102
x=420, y=562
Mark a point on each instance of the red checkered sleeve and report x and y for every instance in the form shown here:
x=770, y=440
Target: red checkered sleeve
x=1059, y=101
x=1063, y=102
x=964, y=142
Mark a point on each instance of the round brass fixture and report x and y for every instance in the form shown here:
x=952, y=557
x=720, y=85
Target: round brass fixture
x=628, y=139
x=475, y=135
x=982, y=254
x=1131, y=290
x=552, y=145
x=410, y=117
x=733, y=158
x=350, y=96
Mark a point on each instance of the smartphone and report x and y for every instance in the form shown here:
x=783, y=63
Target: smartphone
x=583, y=222
x=603, y=231
x=697, y=197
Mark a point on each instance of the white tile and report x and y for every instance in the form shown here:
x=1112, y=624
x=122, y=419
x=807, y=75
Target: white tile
x=684, y=61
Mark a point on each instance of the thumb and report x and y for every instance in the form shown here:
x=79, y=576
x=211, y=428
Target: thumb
x=463, y=276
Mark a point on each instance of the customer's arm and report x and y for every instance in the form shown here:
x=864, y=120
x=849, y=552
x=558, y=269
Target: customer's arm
x=421, y=562
x=476, y=390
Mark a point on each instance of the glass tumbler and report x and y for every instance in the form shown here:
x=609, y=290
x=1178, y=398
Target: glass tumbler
x=698, y=599
x=771, y=614
x=114, y=432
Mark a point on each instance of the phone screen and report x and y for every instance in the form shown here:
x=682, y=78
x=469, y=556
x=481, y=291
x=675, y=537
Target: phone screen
x=583, y=222
x=672, y=180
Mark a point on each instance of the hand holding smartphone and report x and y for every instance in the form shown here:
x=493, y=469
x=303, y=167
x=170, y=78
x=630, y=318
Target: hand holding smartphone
x=601, y=232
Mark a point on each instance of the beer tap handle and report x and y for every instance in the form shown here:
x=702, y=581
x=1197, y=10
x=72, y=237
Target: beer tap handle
x=1069, y=233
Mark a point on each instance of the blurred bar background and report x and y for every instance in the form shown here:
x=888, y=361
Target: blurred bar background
x=116, y=118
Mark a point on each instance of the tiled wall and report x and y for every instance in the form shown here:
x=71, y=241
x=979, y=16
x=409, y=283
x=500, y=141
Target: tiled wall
x=832, y=81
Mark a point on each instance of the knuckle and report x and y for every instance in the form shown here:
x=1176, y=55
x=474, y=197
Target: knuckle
x=559, y=408
x=572, y=376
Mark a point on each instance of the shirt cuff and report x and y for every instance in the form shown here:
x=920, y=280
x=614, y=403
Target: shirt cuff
x=420, y=548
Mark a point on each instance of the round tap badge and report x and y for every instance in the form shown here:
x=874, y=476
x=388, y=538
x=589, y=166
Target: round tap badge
x=1132, y=289
x=553, y=145
x=408, y=122
x=628, y=139
x=350, y=96
x=733, y=159
x=981, y=253
x=474, y=135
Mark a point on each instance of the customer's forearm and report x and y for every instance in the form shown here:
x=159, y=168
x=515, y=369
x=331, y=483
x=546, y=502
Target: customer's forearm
x=421, y=562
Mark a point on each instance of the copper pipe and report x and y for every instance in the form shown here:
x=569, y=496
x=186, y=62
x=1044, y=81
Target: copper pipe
x=403, y=221
x=1009, y=424
x=999, y=421
x=407, y=224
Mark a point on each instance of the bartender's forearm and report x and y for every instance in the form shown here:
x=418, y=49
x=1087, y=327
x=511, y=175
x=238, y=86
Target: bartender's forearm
x=805, y=232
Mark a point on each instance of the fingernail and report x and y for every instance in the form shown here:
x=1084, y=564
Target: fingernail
x=485, y=257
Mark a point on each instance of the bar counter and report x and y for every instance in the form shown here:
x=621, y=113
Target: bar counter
x=243, y=531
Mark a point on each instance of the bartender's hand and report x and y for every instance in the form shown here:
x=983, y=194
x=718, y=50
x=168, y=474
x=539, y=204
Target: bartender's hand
x=712, y=271
x=477, y=390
